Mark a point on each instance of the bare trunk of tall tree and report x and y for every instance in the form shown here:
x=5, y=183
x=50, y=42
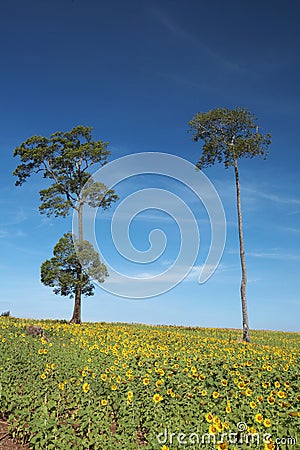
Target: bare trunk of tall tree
x=246, y=335
x=76, y=318
x=80, y=232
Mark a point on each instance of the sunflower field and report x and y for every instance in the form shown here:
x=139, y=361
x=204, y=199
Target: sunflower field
x=114, y=386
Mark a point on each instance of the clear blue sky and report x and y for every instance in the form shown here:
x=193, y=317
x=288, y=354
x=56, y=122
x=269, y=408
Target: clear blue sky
x=137, y=71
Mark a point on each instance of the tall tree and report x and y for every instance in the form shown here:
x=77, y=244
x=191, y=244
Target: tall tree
x=228, y=135
x=66, y=275
x=65, y=158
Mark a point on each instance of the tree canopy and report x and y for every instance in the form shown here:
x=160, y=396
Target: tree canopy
x=65, y=274
x=64, y=158
x=228, y=135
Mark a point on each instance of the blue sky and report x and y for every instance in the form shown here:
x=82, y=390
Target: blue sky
x=137, y=72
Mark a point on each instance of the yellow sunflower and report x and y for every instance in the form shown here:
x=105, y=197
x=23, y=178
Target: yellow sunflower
x=85, y=387
x=157, y=398
x=258, y=418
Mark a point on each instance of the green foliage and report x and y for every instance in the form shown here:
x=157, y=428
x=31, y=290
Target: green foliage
x=64, y=158
x=96, y=195
x=64, y=272
x=228, y=135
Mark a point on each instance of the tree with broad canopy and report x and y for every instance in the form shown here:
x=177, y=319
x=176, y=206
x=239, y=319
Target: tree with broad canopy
x=66, y=275
x=65, y=158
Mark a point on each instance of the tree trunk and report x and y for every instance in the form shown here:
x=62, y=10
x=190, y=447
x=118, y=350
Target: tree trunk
x=76, y=318
x=246, y=335
x=80, y=232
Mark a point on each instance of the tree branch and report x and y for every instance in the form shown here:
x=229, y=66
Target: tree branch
x=65, y=191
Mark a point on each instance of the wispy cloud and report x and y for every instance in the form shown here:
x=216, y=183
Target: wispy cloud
x=173, y=275
x=274, y=253
x=29, y=251
x=290, y=229
x=125, y=218
x=273, y=197
x=11, y=234
x=14, y=215
x=182, y=33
